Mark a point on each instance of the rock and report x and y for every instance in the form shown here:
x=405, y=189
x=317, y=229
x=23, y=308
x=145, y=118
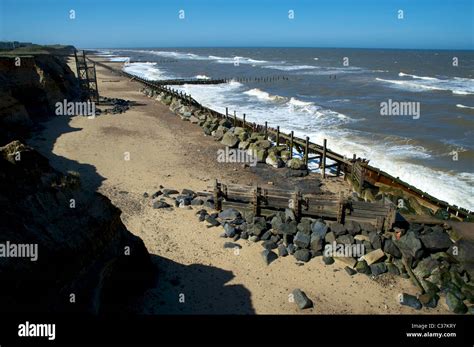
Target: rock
x=352, y=227
x=301, y=299
x=269, y=245
x=265, y=144
x=338, y=229
x=254, y=238
x=316, y=242
x=409, y=300
x=330, y=237
x=425, y=267
x=268, y=256
x=197, y=202
x=291, y=248
x=378, y=268
x=328, y=260
x=392, y=269
x=289, y=228
x=244, y=235
x=218, y=134
x=345, y=239
x=211, y=220
x=259, y=154
x=302, y=240
x=289, y=215
x=230, y=140
x=259, y=226
x=266, y=235
x=362, y=238
x=296, y=164
x=232, y=245
x=167, y=192
x=188, y=192
x=375, y=240
x=229, y=214
x=436, y=241
x=302, y=255
x=160, y=204
x=145, y=195
x=350, y=271
x=243, y=145
x=455, y=304
x=229, y=230
x=373, y=257
x=304, y=226
x=429, y=300
x=362, y=267
x=273, y=160
x=319, y=228
x=389, y=247
x=282, y=250
x=410, y=245
x=351, y=262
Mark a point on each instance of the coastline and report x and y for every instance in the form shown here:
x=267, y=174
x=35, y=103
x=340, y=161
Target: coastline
x=166, y=151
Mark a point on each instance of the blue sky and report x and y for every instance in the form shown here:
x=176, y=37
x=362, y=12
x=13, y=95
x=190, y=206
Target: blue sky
x=437, y=24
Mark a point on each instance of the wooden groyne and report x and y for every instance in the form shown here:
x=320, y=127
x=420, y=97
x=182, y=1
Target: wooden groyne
x=357, y=168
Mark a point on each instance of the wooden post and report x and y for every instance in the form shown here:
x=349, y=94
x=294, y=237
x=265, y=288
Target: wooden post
x=256, y=201
x=226, y=112
x=291, y=145
x=235, y=119
x=217, y=201
x=324, y=158
x=306, y=151
x=278, y=135
x=296, y=196
x=341, y=208
x=354, y=157
x=338, y=170
x=244, y=121
x=266, y=129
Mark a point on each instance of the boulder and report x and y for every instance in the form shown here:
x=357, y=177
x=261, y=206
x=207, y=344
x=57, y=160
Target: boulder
x=264, y=144
x=345, y=239
x=373, y=257
x=259, y=226
x=338, y=229
x=268, y=256
x=160, y=204
x=243, y=145
x=282, y=250
x=273, y=160
x=362, y=267
x=301, y=299
x=429, y=300
x=455, y=304
x=350, y=271
x=304, y=226
x=328, y=260
x=410, y=245
x=302, y=240
x=436, y=241
x=229, y=230
x=229, y=214
x=319, y=228
x=316, y=242
x=389, y=247
x=375, y=240
x=289, y=215
x=409, y=300
x=425, y=267
x=302, y=255
x=230, y=140
x=352, y=227
x=330, y=237
x=378, y=268
x=269, y=244
x=296, y=164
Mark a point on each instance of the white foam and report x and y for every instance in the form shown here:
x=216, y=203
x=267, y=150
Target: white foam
x=146, y=70
x=119, y=59
x=456, y=85
x=260, y=94
x=202, y=77
x=290, y=67
x=464, y=106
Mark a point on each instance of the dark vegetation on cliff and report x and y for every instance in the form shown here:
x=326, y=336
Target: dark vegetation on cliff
x=87, y=260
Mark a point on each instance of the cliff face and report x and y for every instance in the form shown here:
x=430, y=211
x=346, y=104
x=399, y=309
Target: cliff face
x=82, y=246
x=28, y=92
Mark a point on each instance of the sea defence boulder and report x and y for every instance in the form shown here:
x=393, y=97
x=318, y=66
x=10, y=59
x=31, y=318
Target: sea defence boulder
x=85, y=259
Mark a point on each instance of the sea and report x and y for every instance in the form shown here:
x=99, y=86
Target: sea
x=343, y=95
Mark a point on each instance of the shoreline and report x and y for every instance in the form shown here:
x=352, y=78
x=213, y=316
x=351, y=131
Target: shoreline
x=191, y=258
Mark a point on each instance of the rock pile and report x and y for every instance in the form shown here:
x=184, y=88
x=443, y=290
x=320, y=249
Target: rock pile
x=255, y=144
x=118, y=106
x=435, y=265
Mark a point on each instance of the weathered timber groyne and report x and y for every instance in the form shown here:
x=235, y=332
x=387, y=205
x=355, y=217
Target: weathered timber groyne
x=357, y=168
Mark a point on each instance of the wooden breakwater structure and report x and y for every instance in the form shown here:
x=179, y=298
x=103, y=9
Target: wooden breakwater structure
x=357, y=168
x=265, y=201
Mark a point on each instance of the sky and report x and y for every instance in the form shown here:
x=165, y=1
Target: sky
x=426, y=24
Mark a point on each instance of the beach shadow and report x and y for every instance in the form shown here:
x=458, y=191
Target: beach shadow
x=195, y=289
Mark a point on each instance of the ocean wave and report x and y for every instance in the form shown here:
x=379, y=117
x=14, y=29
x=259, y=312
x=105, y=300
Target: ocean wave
x=290, y=67
x=202, y=77
x=119, y=59
x=147, y=70
x=464, y=106
x=260, y=94
x=456, y=85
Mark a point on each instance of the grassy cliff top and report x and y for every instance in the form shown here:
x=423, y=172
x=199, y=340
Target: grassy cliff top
x=22, y=49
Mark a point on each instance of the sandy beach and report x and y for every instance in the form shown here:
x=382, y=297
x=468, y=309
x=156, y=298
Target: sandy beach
x=163, y=150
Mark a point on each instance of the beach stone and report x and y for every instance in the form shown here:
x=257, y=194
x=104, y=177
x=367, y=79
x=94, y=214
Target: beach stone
x=259, y=226
x=230, y=140
x=302, y=255
x=254, y=238
x=244, y=235
x=197, y=202
x=211, y=220
x=437, y=240
x=229, y=214
x=392, y=269
x=362, y=238
x=296, y=164
x=285, y=155
x=218, y=134
x=350, y=271
x=277, y=149
x=183, y=200
x=455, y=304
x=265, y=144
x=375, y=240
x=145, y=195
x=378, y=268
x=229, y=230
x=374, y=256
x=291, y=248
x=410, y=245
x=409, y=300
x=330, y=237
x=301, y=299
x=345, y=239
x=160, y=204
x=328, y=260
x=316, y=242
x=428, y=300
x=266, y=235
x=287, y=239
x=362, y=267
x=425, y=267
x=282, y=250
x=338, y=229
x=304, y=226
x=389, y=247
x=319, y=228
x=302, y=240
x=268, y=244
x=273, y=160
x=268, y=256
x=168, y=192
x=289, y=215
x=352, y=227
x=349, y=261
x=289, y=228
x=243, y=145
x=232, y=245
x=367, y=227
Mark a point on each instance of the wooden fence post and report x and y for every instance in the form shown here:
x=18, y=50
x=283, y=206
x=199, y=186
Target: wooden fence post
x=244, y=121
x=306, y=152
x=278, y=135
x=324, y=159
x=296, y=196
x=256, y=201
x=340, y=209
x=217, y=194
x=266, y=130
x=226, y=112
x=235, y=119
x=291, y=145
